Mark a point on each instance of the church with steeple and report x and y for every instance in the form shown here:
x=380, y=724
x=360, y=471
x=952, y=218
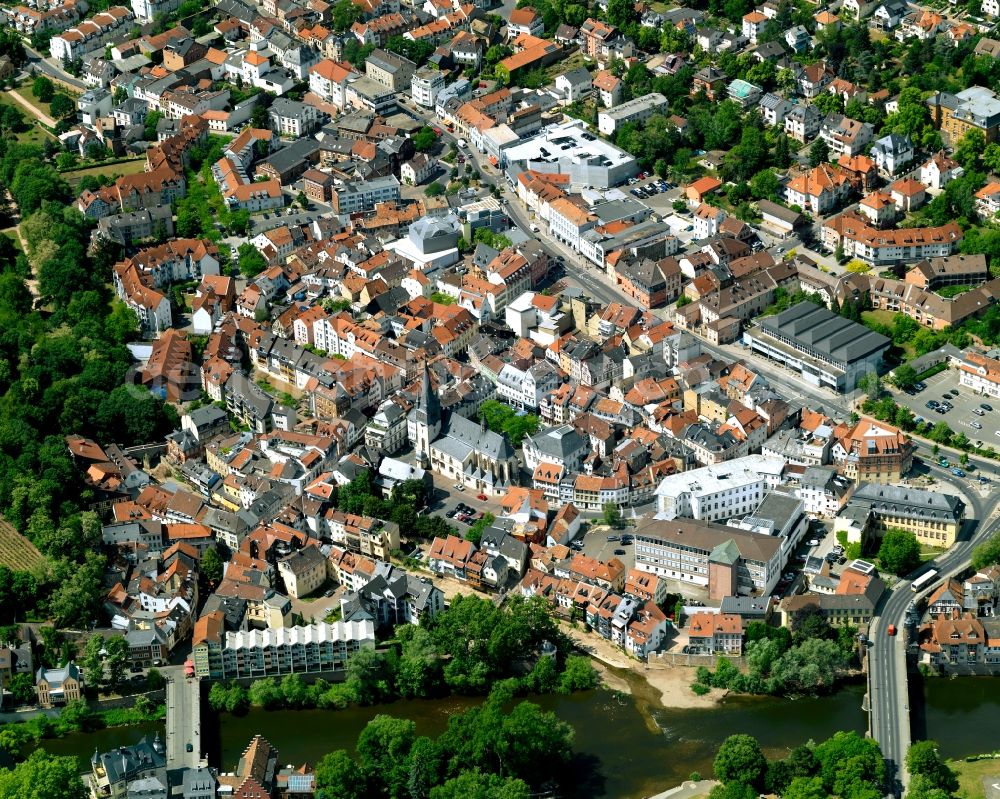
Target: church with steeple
x=457, y=448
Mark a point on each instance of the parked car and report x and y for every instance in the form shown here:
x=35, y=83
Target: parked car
x=919, y=386
x=620, y=552
x=813, y=542
x=931, y=404
x=459, y=487
x=958, y=472
x=976, y=425
x=614, y=538
x=481, y=497
x=986, y=407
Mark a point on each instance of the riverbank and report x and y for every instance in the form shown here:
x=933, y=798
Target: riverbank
x=974, y=776
x=671, y=684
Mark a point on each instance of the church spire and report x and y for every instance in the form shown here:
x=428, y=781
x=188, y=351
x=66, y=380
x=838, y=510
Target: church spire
x=429, y=403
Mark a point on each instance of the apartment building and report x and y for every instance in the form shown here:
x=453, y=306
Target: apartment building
x=980, y=373
x=294, y=650
x=391, y=70
x=302, y=572
x=859, y=239
x=873, y=451
x=91, y=34
x=634, y=111
x=819, y=190
x=715, y=633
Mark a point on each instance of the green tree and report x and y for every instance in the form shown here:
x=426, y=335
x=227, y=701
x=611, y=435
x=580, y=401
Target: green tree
x=986, y=554
x=740, y=759
x=846, y=755
x=43, y=776
x=612, y=515
x=93, y=661
x=251, y=262
x=904, y=376
x=819, y=153
x=384, y=747
x=265, y=693
x=43, y=88
x=805, y=788
x=344, y=14
x=155, y=680
x=211, y=566
x=969, y=148
x=871, y=384
x=366, y=677
x=620, y=13
x=477, y=785
x=923, y=759
x=62, y=106
x=765, y=185
x=434, y=189
x=899, y=552
x=425, y=139
x=22, y=689
x=117, y=661
x=338, y=776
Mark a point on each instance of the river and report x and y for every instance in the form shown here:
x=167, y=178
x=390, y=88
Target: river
x=625, y=747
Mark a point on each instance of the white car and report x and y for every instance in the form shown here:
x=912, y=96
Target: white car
x=813, y=542
x=459, y=487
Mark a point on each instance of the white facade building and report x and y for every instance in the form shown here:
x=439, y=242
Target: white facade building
x=720, y=491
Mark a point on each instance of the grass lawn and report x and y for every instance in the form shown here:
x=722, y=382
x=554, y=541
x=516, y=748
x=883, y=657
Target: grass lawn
x=929, y=553
x=25, y=92
x=124, y=168
x=886, y=318
x=970, y=776
x=33, y=132
x=11, y=234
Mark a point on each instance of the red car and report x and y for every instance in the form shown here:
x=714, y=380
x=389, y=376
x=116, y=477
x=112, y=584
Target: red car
x=481, y=497
x=892, y=629
x=437, y=131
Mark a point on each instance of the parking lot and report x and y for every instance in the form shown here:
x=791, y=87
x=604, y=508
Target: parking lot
x=962, y=416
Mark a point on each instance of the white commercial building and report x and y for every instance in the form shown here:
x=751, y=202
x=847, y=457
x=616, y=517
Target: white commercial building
x=720, y=491
x=570, y=149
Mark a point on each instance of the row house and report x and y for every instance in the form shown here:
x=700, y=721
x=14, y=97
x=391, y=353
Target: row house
x=861, y=240
x=90, y=35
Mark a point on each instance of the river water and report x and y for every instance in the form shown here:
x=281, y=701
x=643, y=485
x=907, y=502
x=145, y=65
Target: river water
x=625, y=749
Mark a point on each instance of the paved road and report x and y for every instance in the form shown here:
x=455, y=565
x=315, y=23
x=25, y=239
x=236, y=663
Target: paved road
x=183, y=718
x=41, y=64
x=889, y=699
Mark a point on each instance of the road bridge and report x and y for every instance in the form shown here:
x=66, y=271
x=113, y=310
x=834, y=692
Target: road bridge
x=183, y=719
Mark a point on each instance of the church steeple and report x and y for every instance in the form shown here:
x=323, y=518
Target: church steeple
x=424, y=422
x=429, y=402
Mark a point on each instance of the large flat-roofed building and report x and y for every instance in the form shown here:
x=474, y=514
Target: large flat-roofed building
x=718, y=492
x=826, y=349
x=569, y=149
x=933, y=517
x=780, y=515
x=727, y=561
x=638, y=111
